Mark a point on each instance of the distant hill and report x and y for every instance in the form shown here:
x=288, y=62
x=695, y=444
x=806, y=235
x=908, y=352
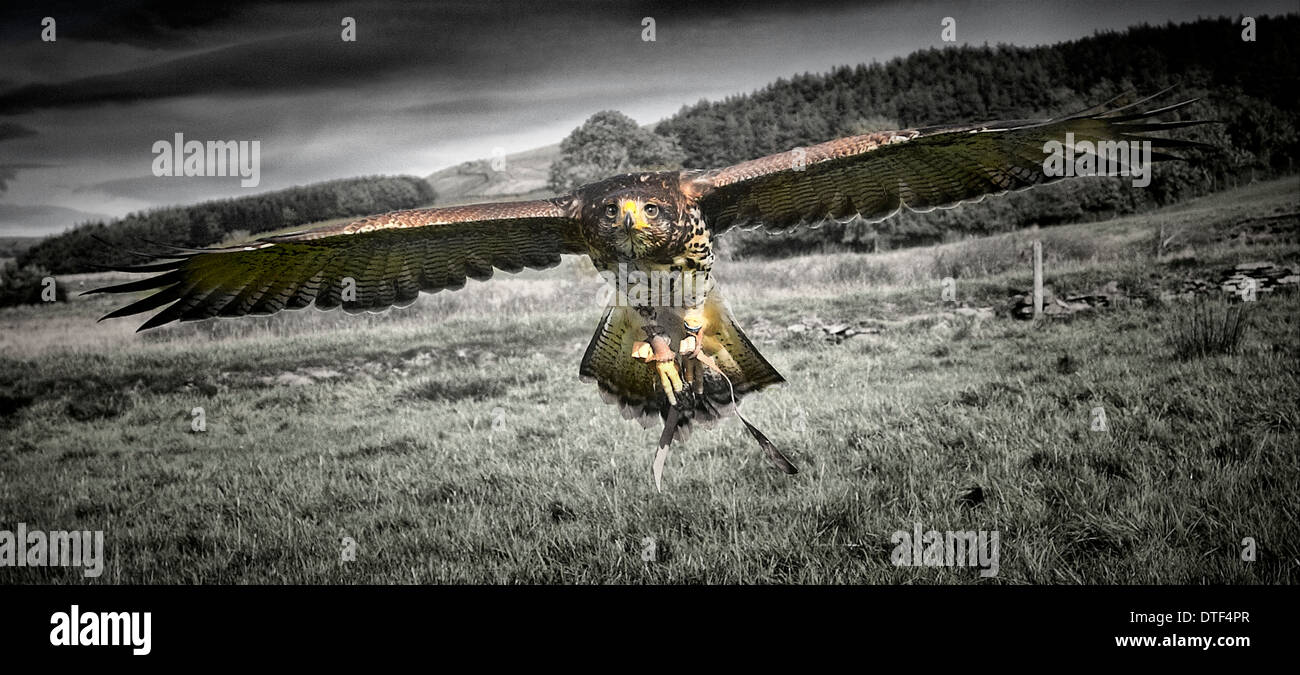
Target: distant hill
x=11, y=247
x=100, y=243
x=524, y=175
x=1249, y=87
x=1251, y=83
x=45, y=217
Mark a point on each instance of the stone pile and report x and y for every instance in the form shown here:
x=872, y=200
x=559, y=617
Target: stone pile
x=1021, y=306
x=1266, y=276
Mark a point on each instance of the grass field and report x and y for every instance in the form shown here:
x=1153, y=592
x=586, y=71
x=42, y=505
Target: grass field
x=452, y=440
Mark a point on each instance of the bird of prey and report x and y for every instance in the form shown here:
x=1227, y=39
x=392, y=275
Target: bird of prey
x=676, y=355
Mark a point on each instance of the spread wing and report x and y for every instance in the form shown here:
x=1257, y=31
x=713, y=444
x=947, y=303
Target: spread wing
x=369, y=264
x=875, y=175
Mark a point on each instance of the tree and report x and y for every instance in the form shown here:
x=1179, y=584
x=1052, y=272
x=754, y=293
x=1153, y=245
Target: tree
x=609, y=143
x=25, y=285
x=82, y=248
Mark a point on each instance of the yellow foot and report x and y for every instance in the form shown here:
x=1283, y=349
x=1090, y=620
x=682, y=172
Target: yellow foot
x=658, y=352
x=670, y=379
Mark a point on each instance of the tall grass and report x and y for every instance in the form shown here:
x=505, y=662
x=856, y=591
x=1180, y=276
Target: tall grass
x=1208, y=328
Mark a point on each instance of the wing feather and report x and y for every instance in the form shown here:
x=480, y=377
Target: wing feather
x=388, y=260
x=874, y=176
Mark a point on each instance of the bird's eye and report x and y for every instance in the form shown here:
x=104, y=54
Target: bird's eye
x=611, y=211
x=651, y=210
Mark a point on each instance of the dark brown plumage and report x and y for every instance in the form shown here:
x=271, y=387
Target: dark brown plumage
x=682, y=362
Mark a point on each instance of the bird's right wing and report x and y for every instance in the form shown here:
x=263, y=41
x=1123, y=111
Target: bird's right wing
x=369, y=264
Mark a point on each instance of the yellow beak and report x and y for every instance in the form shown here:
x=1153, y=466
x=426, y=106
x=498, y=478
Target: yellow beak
x=632, y=216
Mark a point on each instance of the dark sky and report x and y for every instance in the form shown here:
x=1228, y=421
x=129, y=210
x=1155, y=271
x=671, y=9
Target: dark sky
x=425, y=85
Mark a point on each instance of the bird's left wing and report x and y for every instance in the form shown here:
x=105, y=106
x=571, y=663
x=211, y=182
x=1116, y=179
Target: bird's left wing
x=369, y=264
x=875, y=175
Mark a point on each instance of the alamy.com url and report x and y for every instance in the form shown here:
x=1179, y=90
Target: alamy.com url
x=1176, y=640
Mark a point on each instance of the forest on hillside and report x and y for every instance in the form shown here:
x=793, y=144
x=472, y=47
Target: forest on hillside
x=1250, y=87
x=81, y=248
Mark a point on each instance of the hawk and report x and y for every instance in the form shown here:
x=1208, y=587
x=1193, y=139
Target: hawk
x=667, y=347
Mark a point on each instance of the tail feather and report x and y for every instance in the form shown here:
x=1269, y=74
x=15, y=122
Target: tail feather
x=634, y=386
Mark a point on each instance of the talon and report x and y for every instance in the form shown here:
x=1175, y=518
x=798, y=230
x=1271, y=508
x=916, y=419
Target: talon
x=642, y=351
x=688, y=345
x=671, y=381
x=666, y=364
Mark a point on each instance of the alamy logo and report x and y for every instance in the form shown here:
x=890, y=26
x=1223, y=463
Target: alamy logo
x=631, y=287
x=214, y=158
x=102, y=629
x=1103, y=158
x=969, y=548
x=57, y=548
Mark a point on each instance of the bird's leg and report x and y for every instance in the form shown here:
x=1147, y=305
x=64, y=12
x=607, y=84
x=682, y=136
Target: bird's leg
x=656, y=348
x=692, y=342
x=666, y=365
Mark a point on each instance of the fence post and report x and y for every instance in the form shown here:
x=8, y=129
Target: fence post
x=1038, y=278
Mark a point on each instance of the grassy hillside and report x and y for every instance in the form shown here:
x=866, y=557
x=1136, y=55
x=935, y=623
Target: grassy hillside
x=524, y=176
x=454, y=443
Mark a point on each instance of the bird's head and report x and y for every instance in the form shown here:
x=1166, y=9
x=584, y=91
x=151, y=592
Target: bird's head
x=636, y=222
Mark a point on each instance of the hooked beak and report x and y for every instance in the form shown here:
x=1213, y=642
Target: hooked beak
x=633, y=218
